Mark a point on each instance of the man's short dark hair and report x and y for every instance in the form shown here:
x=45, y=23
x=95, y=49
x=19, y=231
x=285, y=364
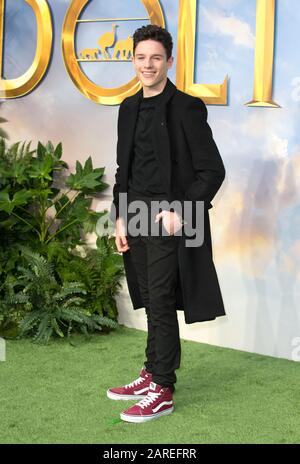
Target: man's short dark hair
x=153, y=32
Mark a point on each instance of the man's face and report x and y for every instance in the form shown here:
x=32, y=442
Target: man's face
x=150, y=62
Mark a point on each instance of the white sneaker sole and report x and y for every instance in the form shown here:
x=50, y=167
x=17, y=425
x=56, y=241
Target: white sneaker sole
x=139, y=419
x=115, y=396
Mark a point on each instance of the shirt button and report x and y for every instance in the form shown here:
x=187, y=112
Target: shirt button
x=162, y=123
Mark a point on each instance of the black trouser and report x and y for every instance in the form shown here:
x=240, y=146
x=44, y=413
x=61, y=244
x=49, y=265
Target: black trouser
x=155, y=259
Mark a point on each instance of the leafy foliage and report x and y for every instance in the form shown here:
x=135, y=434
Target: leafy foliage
x=51, y=282
x=50, y=307
x=30, y=200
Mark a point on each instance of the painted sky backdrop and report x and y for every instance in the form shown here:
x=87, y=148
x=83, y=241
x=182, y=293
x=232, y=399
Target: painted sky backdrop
x=256, y=215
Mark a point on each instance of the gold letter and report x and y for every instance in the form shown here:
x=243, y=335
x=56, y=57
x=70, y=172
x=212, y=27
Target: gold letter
x=106, y=96
x=264, y=52
x=22, y=85
x=210, y=93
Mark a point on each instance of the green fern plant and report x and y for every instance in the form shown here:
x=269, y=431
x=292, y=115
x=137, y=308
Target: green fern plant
x=52, y=309
x=49, y=210
x=12, y=306
x=101, y=271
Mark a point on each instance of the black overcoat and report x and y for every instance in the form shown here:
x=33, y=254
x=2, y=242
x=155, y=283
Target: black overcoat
x=192, y=170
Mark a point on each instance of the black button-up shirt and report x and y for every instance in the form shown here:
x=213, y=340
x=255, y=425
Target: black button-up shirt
x=144, y=176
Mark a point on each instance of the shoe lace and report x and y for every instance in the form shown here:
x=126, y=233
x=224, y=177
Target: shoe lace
x=135, y=382
x=151, y=396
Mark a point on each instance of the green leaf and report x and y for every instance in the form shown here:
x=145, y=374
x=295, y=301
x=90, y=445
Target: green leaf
x=58, y=151
x=77, y=209
x=17, y=172
x=56, y=327
x=19, y=198
x=102, y=187
x=60, y=203
x=88, y=166
x=79, y=168
x=42, y=168
x=41, y=150
x=100, y=171
x=86, y=178
x=80, y=181
x=90, y=224
x=45, y=193
x=50, y=147
x=5, y=202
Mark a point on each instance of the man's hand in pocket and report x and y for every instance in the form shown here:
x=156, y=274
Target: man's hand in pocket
x=171, y=220
x=121, y=239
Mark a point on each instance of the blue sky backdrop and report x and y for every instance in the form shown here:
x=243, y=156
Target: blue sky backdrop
x=255, y=219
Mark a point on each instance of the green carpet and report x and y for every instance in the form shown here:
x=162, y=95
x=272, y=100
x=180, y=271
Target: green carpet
x=57, y=394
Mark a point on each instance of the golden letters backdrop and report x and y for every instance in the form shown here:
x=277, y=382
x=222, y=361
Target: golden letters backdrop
x=210, y=93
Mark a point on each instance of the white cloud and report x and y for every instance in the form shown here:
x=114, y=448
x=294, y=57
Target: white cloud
x=218, y=23
x=277, y=146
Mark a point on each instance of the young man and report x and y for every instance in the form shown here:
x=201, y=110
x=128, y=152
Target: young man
x=165, y=153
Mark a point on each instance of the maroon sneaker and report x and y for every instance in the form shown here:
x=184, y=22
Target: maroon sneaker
x=158, y=402
x=136, y=389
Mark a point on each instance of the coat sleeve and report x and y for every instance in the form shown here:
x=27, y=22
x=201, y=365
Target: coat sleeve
x=114, y=210
x=206, y=159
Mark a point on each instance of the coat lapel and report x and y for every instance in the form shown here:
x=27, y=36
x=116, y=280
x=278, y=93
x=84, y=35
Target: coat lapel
x=161, y=142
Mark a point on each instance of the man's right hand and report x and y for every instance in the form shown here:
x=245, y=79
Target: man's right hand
x=121, y=239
